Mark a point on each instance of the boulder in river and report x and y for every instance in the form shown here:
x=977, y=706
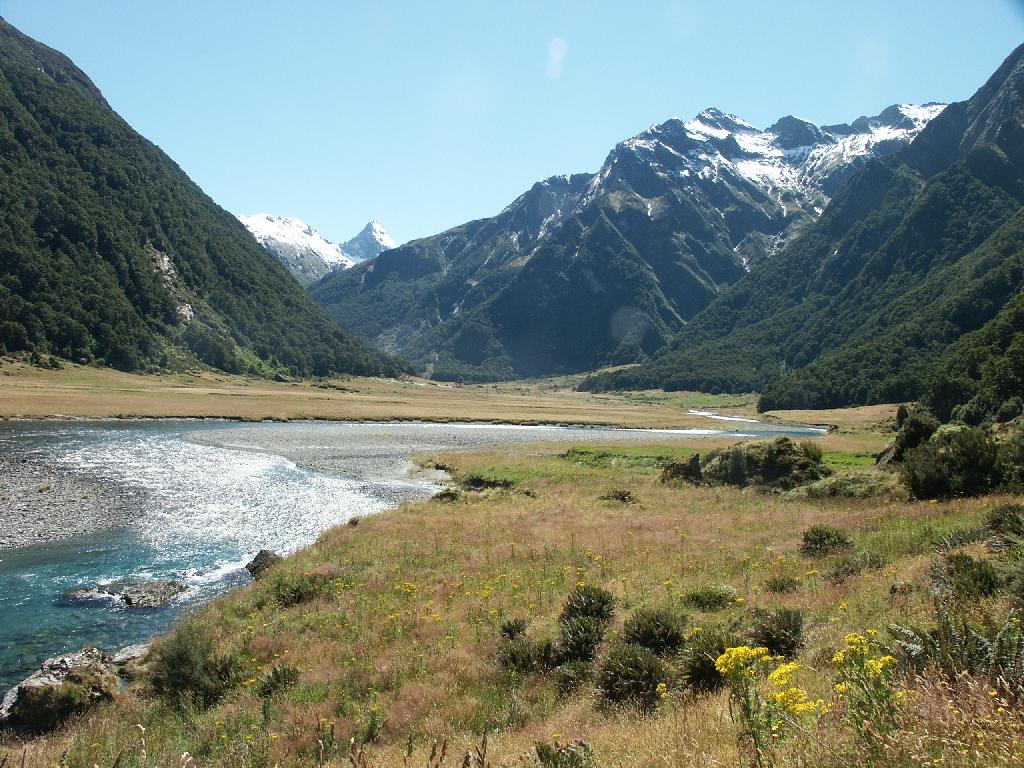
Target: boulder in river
x=152, y=594
x=263, y=560
x=62, y=687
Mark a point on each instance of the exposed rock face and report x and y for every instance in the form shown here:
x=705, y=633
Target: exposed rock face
x=62, y=687
x=153, y=594
x=263, y=560
x=129, y=653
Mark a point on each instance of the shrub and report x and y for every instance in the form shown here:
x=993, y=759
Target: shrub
x=819, y=540
x=513, y=628
x=965, y=577
x=697, y=663
x=478, y=482
x=277, y=678
x=620, y=495
x=447, y=495
x=917, y=428
x=776, y=464
x=588, y=602
x=711, y=597
x=963, y=462
x=1009, y=410
x=958, y=645
x=576, y=754
x=187, y=669
x=288, y=589
x=688, y=471
x=1006, y=520
x=571, y=675
x=1011, y=459
x=780, y=631
x=812, y=451
x=579, y=639
x=659, y=630
x=630, y=675
x=527, y=656
x=39, y=709
x=781, y=583
x=855, y=564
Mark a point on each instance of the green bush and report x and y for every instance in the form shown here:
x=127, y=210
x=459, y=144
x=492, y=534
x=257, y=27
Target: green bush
x=570, y=676
x=659, y=630
x=478, y=482
x=575, y=754
x=513, y=628
x=780, y=631
x=288, y=589
x=917, y=428
x=630, y=675
x=39, y=709
x=187, y=670
x=589, y=602
x=620, y=495
x=812, y=451
x=961, y=462
x=781, y=584
x=959, y=645
x=779, y=464
x=526, y=656
x=711, y=597
x=697, y=662
x=965, y=577
x=1006, y=520
x=819, y=540
x=579, y=639
x=854, y=564
x=277, y=678
x=1011, y=459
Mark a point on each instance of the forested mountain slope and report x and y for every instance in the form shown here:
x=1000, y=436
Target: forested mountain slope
x=109, y=253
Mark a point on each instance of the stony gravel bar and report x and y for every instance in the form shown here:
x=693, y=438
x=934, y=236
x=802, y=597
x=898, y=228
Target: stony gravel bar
x=39, y=503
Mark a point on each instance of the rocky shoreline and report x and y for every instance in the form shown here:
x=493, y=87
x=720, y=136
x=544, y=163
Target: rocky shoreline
x=40, y=503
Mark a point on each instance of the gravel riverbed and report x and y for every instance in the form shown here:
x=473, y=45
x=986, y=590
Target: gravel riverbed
x=40, y=503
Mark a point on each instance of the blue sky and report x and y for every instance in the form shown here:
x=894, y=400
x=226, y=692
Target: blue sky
x=428, y=114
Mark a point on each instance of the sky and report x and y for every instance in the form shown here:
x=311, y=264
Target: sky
x=428, y=114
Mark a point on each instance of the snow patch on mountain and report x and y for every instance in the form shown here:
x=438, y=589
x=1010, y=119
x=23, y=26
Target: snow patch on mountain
x=306, y=253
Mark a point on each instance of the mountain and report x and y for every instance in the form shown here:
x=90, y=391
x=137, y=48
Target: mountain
x=907, y=286
x=369, y=243
x=110, y=254
x=306, y=253
x=594, y=269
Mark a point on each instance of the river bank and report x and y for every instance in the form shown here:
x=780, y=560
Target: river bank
x=41, y=503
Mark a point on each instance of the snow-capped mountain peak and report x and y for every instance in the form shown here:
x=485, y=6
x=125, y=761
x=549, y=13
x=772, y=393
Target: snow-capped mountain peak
x=294, y=234
x=370, y=242
x=309, y=255
x=793, y=157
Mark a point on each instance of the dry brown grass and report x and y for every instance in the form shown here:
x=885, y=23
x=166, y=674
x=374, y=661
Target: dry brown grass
x=80, y=391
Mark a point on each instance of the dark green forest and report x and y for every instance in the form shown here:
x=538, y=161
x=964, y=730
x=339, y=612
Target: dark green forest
x=110, y=255
x=908, y=287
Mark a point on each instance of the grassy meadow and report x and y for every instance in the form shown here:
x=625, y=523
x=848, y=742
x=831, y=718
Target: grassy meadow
x=382, y=643
x=75, y=391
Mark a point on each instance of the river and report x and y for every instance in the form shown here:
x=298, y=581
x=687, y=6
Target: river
x=202, y=498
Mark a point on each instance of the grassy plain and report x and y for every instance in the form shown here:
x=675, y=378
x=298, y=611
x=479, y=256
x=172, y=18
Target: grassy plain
x=401, y=646
x=28, y=391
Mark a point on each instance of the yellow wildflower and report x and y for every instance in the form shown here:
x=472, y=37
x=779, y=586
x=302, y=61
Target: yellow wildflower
x=782, y=674
x=739, y=658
